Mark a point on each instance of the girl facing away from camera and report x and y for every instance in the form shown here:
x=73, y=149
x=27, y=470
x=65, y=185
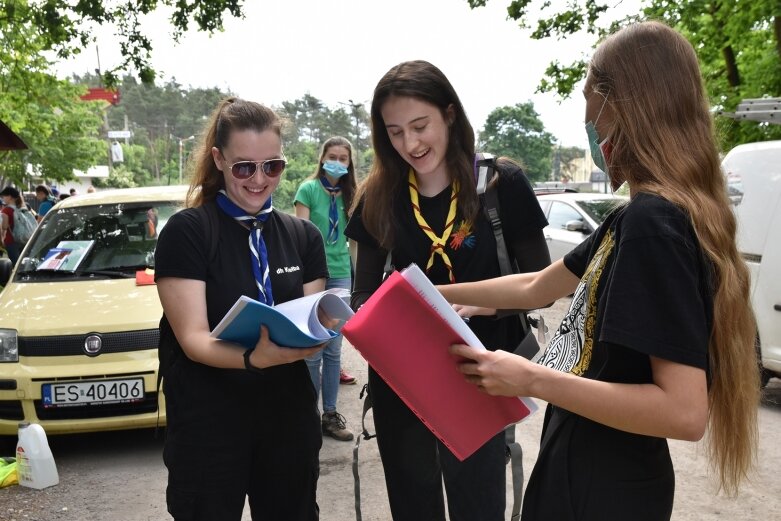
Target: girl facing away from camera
x=659, y=339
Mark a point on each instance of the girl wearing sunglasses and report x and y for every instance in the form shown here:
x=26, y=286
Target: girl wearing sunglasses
x=420, y=202
x=247, y=419
x=323, y=199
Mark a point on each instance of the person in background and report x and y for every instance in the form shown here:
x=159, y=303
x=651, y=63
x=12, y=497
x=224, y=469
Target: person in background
x=659, y=339
x=73, y=192
x=240, y=422
x=323, y=199
x=46, y=200
x=12, y=200
x=8, y=141
x=90, y=189
x=420, y=203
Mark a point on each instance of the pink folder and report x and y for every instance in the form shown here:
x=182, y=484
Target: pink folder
x=406, y=341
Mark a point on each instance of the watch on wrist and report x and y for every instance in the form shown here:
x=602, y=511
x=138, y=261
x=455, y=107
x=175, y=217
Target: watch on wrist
x=248, y=365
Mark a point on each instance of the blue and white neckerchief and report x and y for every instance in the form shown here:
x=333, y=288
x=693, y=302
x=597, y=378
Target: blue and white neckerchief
x=257, y=247
x=333, y=210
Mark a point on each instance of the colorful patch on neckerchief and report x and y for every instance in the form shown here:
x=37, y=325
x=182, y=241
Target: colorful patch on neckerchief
x=462, y=236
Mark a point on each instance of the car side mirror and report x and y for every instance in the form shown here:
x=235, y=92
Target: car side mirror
x=577, y=226
x=5, y=271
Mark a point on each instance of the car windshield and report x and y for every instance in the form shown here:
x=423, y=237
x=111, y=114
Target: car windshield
x=107, y=240
x=598, y=209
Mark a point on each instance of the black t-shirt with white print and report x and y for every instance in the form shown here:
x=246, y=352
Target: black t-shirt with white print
x=645, y=291
x=471, y=246
x=182, y=252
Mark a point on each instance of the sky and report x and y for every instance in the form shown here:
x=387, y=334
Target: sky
x=337, y=50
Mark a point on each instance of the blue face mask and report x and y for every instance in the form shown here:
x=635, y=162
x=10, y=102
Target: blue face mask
x=334, y=169
x=595, y=145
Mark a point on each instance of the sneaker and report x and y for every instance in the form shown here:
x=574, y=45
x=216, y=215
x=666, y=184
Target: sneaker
x=346, y=378
x=335, y=426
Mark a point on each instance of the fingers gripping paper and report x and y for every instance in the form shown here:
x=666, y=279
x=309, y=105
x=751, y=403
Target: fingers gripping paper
x=404, y=331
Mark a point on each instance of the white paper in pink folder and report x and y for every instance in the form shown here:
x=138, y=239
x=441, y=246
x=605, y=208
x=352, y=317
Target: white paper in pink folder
x=404, y=331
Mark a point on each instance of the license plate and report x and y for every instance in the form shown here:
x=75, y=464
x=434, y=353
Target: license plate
x=90, y=393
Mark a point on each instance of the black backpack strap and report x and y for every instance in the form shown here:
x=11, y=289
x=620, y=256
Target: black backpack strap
x=489, y=200
x=210, y=213
x=486, y=191
x=367, y=405
x=485, y=166
x=210, y=223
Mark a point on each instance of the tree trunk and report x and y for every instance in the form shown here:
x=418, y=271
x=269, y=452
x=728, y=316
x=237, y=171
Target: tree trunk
x=733, y=76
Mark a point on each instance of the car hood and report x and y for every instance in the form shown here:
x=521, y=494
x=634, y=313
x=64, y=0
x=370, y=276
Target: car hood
x=64, y=308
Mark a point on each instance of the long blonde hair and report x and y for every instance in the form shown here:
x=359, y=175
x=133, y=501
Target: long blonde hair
x=663, y=142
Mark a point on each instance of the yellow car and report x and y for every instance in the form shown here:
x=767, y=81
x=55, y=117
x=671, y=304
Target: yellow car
x=79, y=316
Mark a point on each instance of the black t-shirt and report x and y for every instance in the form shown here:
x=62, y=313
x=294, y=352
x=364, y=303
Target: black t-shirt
x=182, y=251
x=471, y=247
x=645, y=291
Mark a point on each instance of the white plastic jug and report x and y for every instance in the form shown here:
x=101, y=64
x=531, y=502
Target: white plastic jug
x=35, y=463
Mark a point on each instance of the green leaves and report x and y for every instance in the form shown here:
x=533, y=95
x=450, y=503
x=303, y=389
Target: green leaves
x=65, y=26
x=517, y=132
x=738, y=44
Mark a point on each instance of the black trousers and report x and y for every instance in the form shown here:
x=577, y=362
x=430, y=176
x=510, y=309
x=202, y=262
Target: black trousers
x=227, y=441
x=416, y=463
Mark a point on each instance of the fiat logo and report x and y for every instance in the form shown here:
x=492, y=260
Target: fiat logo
x=92, y=345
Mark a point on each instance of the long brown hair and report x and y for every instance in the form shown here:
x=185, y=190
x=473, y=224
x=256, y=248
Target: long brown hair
x=663, y=143
x=229, y=115
x=425, y=82
x=346, y=182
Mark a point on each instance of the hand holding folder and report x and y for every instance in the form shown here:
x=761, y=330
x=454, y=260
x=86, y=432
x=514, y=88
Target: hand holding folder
x=295, y=323
x=405, y=331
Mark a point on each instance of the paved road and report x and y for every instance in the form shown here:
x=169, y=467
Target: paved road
x=120, y=476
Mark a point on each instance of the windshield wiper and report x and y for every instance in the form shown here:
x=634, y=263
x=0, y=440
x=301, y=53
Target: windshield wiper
x=120, y=272
x=113, y=274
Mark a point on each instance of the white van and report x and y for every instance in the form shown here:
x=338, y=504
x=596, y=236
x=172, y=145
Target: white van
x=753, y=175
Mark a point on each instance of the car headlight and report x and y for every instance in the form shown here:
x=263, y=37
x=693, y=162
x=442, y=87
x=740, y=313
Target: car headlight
x=9, y=347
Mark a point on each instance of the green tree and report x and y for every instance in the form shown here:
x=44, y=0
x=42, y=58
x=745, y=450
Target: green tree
x=517, y=132
x=738, y=44
x=66, y=27
x=302, y=160
x=311, y=120
x=159, y=116
x=61, y=131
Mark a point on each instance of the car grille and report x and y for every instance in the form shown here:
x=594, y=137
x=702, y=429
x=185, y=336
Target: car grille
x=69, y=345
x=104, y=410
x=11, y=410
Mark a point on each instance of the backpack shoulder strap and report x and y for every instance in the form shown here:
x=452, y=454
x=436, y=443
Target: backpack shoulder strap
x=208, y=212
x=294, y=226
x=489, y=200
x=367, y=405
